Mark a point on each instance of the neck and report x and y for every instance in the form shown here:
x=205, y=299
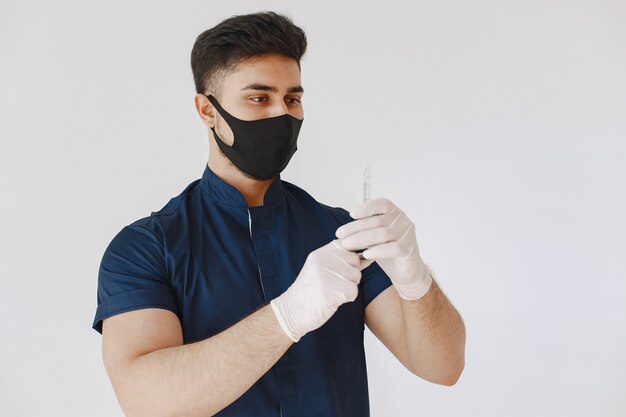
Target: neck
x=252, y=190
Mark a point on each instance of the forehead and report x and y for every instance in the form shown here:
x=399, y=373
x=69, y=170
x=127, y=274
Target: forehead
x=271, y=69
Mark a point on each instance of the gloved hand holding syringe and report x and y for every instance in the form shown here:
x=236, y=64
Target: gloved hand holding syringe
x=300, y=309
x=382, y=232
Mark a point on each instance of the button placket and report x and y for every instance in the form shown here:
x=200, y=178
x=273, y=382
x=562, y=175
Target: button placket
x=261, y=221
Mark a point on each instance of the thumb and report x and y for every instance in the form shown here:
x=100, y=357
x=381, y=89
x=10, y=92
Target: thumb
x=365, y=263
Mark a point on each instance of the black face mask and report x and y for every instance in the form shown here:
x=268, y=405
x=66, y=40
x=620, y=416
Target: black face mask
x=262, y=148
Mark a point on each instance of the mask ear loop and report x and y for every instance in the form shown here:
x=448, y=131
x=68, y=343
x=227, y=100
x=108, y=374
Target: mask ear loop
x=229, y=117
x=226, y=116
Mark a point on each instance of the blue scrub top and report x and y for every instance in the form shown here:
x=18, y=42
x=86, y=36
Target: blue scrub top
x=212, y=260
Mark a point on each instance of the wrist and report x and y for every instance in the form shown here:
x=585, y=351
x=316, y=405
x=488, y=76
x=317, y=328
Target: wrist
x=281, y=317
x=419, y=287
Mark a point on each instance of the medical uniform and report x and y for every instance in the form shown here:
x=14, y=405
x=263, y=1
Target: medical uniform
x=212, y=260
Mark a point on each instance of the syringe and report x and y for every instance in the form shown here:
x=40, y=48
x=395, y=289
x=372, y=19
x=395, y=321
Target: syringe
x=366, y=195
x=366, y=183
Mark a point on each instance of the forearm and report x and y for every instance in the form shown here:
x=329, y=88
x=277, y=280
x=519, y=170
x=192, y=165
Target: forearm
x=435, y=337
x=202, y=378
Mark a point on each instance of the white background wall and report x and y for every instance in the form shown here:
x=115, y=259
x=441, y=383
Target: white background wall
x=499, y=127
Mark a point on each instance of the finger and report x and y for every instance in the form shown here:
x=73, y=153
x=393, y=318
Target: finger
x=337, y=244
x=362, y=224
x=347, y=256
x=345, y=272
x=368, y=238
x=394, y=226
x=385, y=251
x=365, y=263
x=353, y=259
x=372, y=207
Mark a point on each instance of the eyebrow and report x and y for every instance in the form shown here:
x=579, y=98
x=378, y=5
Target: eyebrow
x=262, y=87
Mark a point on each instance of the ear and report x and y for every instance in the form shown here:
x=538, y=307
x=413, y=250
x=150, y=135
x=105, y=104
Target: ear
x=205, y=110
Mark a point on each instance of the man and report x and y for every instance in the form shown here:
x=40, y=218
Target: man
x=244, y=296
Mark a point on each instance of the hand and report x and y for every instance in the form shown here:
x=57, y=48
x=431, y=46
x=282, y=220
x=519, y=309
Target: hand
x=329, y=277
x=388, y=236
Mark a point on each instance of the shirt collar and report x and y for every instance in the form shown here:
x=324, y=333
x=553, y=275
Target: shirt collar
x=220, y=191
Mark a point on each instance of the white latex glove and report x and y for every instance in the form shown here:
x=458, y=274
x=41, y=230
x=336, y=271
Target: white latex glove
x=329, y=277
x=388, y=236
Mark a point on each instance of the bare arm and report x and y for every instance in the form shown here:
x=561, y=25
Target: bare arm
x=154, y=374
x=434, y=349
x=435, y=336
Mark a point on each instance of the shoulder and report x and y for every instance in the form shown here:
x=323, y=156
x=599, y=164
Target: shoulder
x=170, y=216
x=339, y=214
x=174, y=205
x=334, y=214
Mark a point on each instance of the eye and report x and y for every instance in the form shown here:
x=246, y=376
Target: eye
x=294, y=100
x=258, y=99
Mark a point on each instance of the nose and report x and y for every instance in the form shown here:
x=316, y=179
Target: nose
x=279, y=108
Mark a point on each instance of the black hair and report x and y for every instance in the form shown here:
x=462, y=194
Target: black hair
x=239, y=37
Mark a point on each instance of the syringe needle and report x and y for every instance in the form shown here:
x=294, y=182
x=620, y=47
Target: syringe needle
x=366, y=183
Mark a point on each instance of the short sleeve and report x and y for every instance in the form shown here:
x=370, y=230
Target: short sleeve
x=132, y=275
x=374, y=280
